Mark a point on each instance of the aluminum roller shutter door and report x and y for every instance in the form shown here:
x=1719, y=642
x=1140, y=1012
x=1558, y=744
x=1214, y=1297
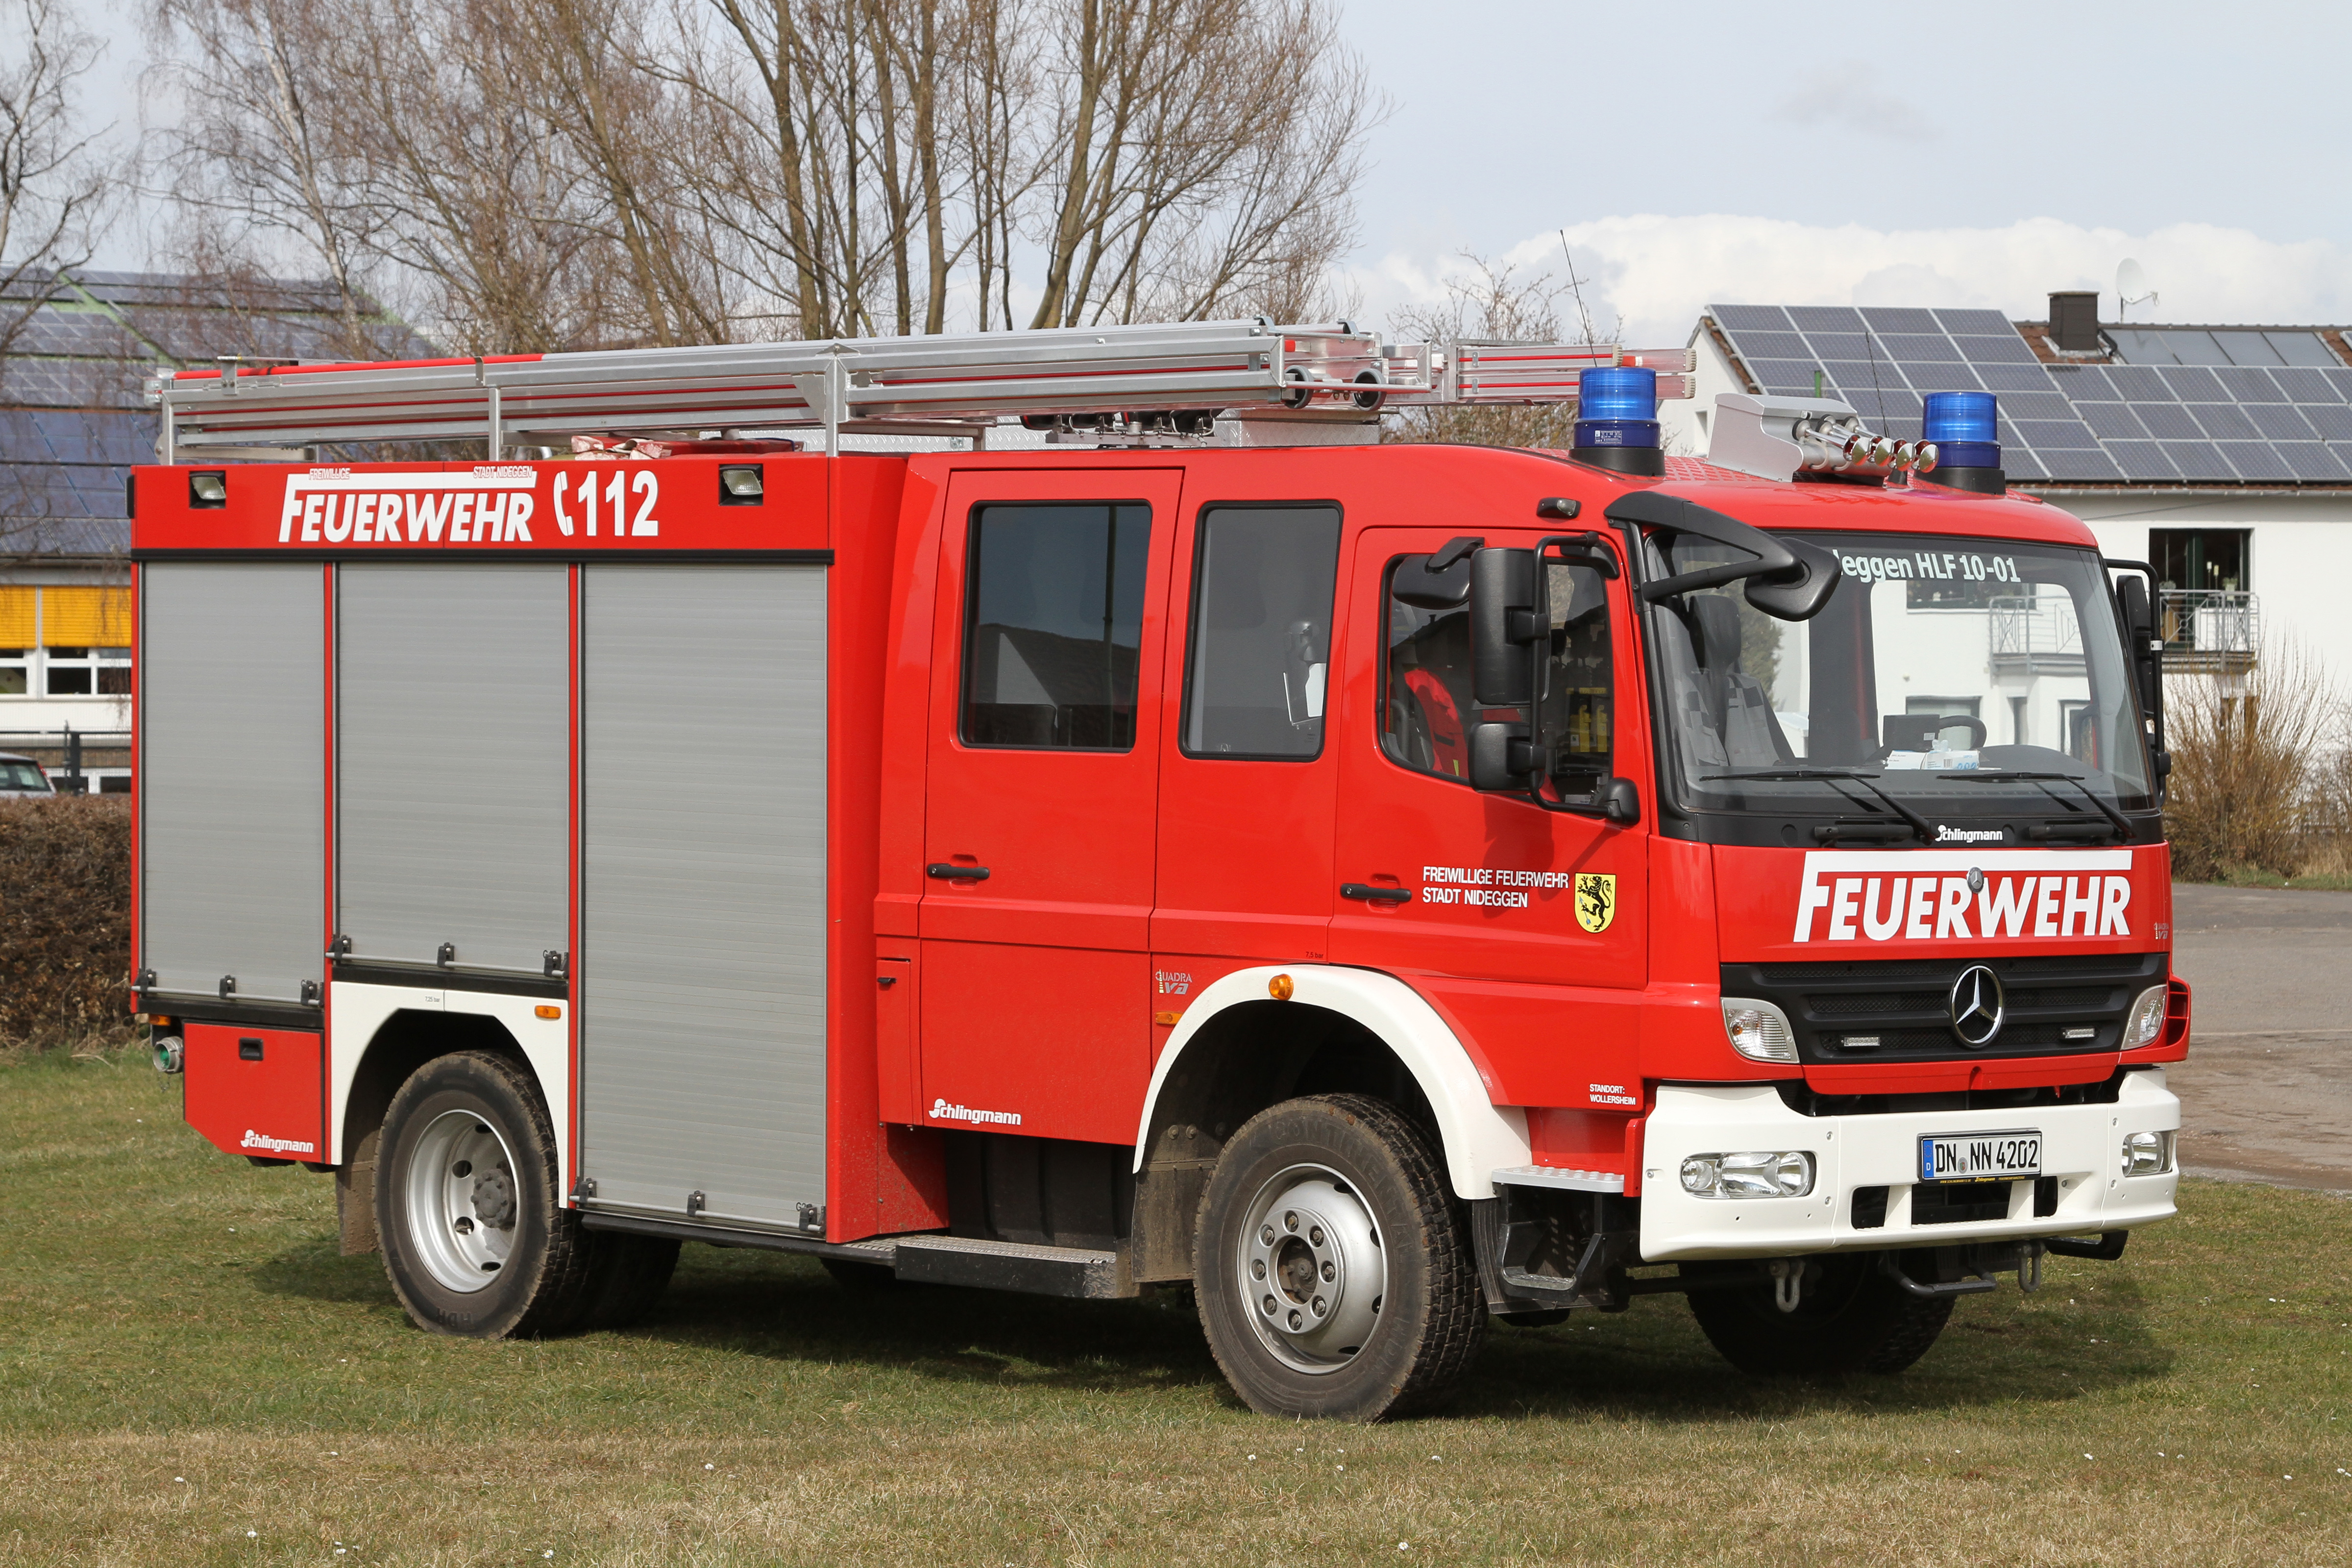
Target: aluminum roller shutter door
x=452, y=768
x=703, y=928
x=232, y=777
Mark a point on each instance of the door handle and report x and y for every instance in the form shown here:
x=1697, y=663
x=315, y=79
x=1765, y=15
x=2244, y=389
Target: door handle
x=1373, y=895
x=956, y=873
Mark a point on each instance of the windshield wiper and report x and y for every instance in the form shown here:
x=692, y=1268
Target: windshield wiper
x=1867, y=780
x=2123, y=829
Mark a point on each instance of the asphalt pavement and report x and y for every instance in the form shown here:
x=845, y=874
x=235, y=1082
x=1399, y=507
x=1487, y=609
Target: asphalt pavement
x=2267, y=1092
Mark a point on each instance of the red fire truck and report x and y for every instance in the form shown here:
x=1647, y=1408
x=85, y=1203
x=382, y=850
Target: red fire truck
x=1388, y=887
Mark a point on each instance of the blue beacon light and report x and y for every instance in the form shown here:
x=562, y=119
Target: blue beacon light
x=1965, y=428
x=1617, y=419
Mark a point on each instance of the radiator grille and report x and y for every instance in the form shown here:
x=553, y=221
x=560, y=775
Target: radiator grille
x=1864, y=1010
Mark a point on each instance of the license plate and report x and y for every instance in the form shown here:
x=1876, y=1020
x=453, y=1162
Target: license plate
x=1979, y=1156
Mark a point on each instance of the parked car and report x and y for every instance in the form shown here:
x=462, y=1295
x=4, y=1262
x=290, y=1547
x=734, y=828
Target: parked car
x=21, y=776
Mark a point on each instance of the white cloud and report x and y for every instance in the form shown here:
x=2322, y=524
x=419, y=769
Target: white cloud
x=1840, y=97
x=1657, y=272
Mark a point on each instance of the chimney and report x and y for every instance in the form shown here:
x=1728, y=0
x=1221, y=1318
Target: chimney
x=2075, y=321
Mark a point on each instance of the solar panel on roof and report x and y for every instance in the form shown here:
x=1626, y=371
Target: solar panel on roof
x=2045, y=435
x=1749, y=317
x=2193, y=386
x=2199, y=461
x=2005, y=378
x=1898, y=319
x=1846, y=345
x=2082, y=381
x=2138, y=383
x=2304, y=386
x=1922, y=346
x=1773, y=345
x=1975, y=323
x=1942, y=377
x=2249, y=384
x=2310, y=460
x=2036, y=405
x=2302, y=347
x=2142, y=460
x=1881, y=410
x=1784, y=373
x=2089, y=463
x=2224, y=421
x=2019, y=464
x=2255, y=460
x=2248, y=347
x=2007, y=349
x=2111, y=422
x=2278, y=422
x=2332, y=420
x=2167, y=421
x=1825, y=318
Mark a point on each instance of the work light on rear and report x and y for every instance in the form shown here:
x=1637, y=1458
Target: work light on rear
x=1758, y=1030
x=740, y=486
x=208, y=488
x=1754, y=1173
x=2146, y=1020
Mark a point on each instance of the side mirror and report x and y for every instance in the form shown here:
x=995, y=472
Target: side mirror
x=2139, y=621
x=1621, y=802
x=1798, y=593
x=1502, y=757
x=1506, y=620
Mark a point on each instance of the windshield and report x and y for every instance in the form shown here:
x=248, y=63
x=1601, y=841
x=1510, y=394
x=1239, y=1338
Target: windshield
x=1940, y=670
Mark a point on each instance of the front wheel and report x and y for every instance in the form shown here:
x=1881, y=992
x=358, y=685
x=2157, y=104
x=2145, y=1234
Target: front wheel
x=1332, y=1268
x=1850, y=1318
x=475, y=1238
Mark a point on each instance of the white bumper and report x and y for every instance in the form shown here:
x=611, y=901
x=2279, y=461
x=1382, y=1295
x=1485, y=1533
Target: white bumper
x=2080, y=1146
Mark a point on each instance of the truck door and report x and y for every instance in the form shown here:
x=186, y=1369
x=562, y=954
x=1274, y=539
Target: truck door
x=1438, y=879
x=1041, y=792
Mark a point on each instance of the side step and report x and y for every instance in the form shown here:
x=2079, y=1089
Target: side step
x=1011, y=1266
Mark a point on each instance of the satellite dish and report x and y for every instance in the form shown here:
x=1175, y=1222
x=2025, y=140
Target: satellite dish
x=2131, y=287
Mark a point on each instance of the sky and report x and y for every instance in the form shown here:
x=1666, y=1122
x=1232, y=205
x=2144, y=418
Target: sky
x=1977, y=155
x=1973, y=155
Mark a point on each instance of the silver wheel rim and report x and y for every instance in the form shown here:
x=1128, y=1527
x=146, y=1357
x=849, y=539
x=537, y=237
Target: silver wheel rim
x=463, y=1202
x=1311, y=1269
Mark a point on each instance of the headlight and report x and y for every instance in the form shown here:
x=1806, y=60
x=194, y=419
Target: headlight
x=1755, y=1174
x=2148, y=1155
x=2147, y=1019
x=1758, y=1030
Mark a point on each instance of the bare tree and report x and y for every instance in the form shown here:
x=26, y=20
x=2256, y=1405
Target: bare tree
x=53, y=182
x=1491, y=303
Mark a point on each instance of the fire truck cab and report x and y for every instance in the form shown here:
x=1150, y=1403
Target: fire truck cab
x=1391, y=887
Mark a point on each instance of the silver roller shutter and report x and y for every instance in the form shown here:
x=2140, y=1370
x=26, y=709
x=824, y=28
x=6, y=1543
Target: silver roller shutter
x=232, y=777
x=452, y=767
x=703, y=889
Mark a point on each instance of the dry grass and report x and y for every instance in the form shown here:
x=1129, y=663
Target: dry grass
x=184, y=1358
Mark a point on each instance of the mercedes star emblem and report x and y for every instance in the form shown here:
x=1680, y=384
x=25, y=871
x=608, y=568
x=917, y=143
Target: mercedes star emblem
x=1978, y=1005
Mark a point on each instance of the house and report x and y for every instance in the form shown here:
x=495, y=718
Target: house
x=2221, y=455
x=74, y=349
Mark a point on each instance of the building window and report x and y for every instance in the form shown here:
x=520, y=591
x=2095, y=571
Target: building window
x=2203, y=559
x=65, y=642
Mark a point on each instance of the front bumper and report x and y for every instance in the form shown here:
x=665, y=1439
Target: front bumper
x=2080, y=1146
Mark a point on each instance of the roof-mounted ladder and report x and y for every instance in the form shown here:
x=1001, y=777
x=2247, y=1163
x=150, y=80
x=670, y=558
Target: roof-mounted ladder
x=955, y=385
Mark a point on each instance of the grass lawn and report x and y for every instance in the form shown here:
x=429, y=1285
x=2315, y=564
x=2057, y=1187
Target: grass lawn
x=190, y=1375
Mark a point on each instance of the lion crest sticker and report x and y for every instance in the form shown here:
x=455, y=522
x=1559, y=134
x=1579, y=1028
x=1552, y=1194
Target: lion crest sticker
x=1596, y=900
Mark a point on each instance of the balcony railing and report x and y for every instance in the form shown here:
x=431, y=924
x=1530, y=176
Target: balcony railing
x=2215, y=631
x=2036, y=634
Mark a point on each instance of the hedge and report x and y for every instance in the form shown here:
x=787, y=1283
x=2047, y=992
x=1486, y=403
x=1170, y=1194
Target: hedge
x=65, y=919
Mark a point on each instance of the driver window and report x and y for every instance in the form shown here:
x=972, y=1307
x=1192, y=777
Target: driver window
x=1261, y=644
x=1427, y=708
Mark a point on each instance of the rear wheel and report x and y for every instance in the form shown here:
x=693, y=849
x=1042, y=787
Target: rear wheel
x=1850, y=1318
x=1332, y=1266
x=475, y=1238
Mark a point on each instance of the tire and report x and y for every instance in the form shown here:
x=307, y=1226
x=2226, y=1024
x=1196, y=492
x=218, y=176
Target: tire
x=626, y=1276
x=476, y=1239
x=1334, y=1209
x=1850, y=1317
